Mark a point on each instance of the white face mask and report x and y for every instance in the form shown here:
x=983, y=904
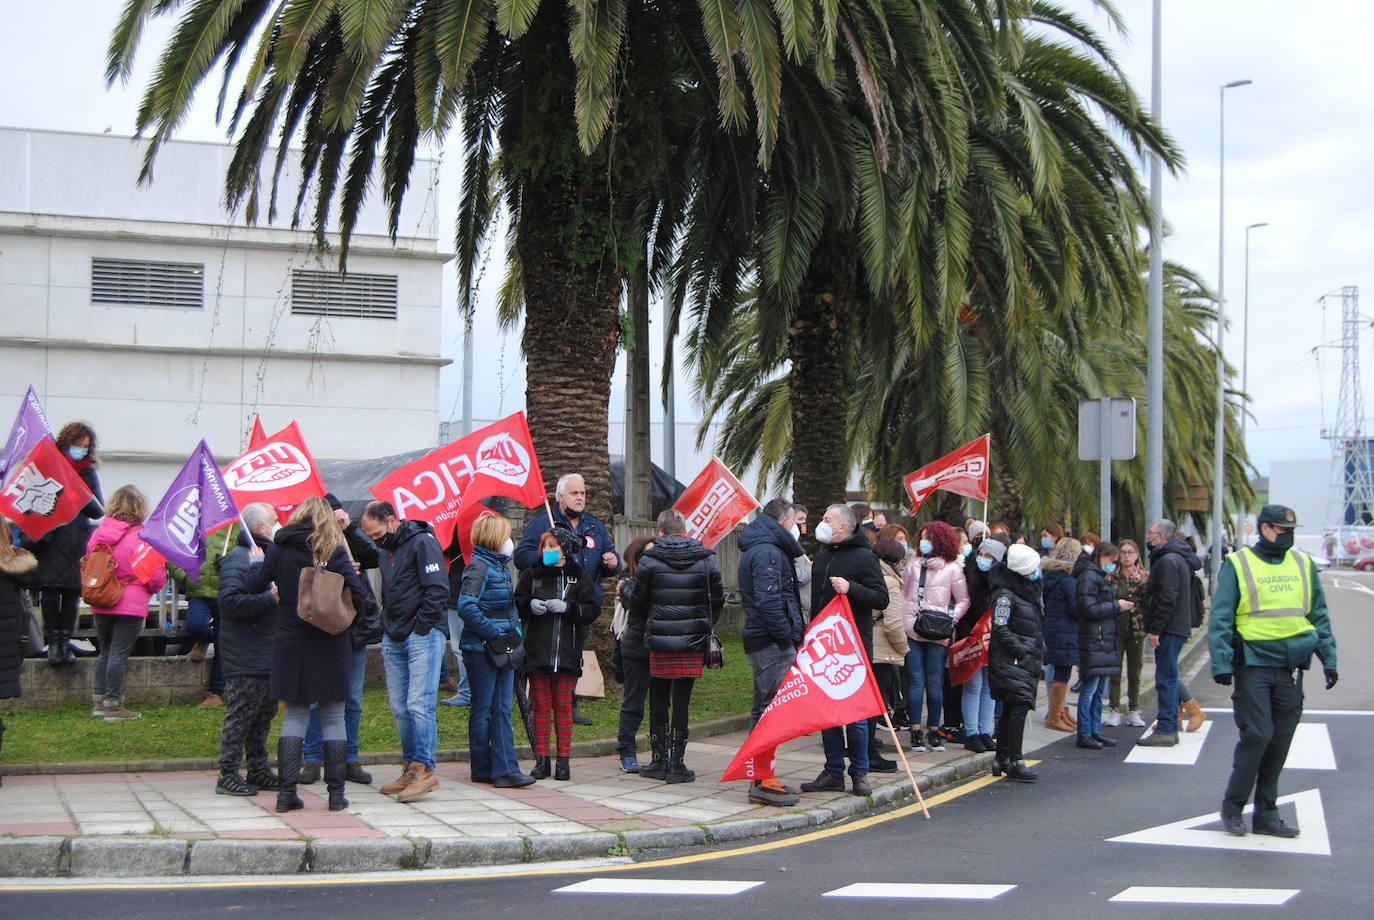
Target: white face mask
x=795, y=531
x=824, y=532
x=275, y=527
x=508, y=548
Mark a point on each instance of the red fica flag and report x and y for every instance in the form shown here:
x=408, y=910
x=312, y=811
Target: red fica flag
x=280, y=471
x=43, y=491
x=963, y=472
x=496, y=460
x=830, y=683
x=714, y=503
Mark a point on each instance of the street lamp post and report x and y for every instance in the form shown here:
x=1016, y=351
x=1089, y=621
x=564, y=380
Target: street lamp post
x=1219, y=449
x=1154, y=391
x=1245, y=358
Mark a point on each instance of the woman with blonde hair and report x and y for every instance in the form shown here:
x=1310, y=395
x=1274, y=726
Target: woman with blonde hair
x=308, y=664
x=1061, y=628
x=486, y=602
x=119, y=626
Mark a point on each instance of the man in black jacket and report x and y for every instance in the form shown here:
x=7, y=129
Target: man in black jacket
x=1170, y=612
x=414, y=596
x=247, y=627
x=845, y=565
x=773, y=618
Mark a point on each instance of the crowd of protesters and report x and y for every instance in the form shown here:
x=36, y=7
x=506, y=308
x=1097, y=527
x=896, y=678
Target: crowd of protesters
x=521, y=615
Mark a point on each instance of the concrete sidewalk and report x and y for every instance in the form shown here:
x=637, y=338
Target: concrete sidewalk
x=173, y=823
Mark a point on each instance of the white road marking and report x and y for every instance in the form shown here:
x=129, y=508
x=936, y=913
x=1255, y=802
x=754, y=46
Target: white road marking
x=1205, y=831
x=692, y=887
x=1183, y=754
x=925, y=891
x=1255, y=897
x=1311, y=748
x=1306, y=712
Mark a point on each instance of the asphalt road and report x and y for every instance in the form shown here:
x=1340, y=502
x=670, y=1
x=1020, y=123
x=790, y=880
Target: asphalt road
x=1047, y=847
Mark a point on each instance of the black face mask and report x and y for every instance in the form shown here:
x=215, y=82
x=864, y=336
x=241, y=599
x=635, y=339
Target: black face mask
x=1281, y=543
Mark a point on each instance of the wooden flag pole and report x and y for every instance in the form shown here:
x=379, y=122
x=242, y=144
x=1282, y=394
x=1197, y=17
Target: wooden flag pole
x=897, y=743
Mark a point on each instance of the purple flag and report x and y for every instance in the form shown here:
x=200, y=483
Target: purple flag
x=30, y=427
x=197, y=502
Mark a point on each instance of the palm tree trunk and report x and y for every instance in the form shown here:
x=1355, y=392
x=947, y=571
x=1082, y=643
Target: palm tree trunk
x=819, y=345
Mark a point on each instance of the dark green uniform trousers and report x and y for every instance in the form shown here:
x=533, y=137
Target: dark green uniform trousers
x=1268, y=706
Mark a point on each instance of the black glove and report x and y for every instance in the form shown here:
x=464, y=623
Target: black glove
x=1331, y=677
x=1223, y=679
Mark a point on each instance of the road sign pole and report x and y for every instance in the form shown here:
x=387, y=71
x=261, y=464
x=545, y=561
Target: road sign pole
x=1104, y=443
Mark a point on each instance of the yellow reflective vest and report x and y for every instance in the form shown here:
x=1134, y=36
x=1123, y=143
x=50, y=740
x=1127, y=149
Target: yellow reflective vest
x=1274, y=599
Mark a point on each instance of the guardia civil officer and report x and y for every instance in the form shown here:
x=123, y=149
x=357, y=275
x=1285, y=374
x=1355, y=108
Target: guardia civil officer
x=1268, y=617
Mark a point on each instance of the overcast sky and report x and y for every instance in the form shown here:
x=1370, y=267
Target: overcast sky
x=1297, y=157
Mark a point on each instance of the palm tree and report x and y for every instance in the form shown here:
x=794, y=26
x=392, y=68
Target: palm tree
x=568, y=111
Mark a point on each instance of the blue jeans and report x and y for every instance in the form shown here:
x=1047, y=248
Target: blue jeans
x=1090, y=706
x=412, y=683
x=491, y=741
x=925, y=668
x=202, y=622
x=353, y=714
x=836, y=748
x=1166, y=681
x=455, y=633
x=978, y=709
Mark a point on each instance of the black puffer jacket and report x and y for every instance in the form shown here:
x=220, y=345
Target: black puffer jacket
x=977, y=581
x=415, y=584
x=768, y=586
x=247, y=620
x=1016, y=656
x=308, y=664
x=1098, y=652
x=852, y=560
x=1061, y=611
x=632, y=643
x=15, y=574
x=679, y=592
x=1169, y=590
x=59, y=551
x=551, y=638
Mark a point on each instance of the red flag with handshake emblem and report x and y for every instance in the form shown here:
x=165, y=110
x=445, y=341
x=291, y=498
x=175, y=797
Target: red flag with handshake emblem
x=279, y=471
x=830, y=683
x=439, y=487
x=963, y=472
x=42, y=491
x=714, y=503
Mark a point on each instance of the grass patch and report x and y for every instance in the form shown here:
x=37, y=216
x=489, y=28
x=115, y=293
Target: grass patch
x=69, y=733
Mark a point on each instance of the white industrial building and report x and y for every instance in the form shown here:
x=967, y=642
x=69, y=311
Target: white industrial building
x=159, y=318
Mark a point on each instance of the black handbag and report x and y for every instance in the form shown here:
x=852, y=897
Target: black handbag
x=936, y=625
x=506, y=651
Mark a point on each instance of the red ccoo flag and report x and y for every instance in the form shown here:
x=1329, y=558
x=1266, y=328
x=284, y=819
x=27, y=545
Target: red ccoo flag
x=830, y=683
x=714, y=503
x=43, y=491
x=963, y=472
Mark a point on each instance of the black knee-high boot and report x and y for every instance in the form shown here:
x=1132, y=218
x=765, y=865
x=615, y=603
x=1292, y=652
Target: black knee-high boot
x=335, y=772
x=289, y=753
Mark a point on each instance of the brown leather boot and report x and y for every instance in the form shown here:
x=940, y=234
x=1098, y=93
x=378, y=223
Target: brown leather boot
x=424, y=782
x=1054, y=716
x=1070, y=719
x=1194, y=713
x=407, y=774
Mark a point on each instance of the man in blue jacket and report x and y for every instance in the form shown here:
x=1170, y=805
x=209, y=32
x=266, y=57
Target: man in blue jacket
x=414, y=597
x=773, y=619
x=598, y=556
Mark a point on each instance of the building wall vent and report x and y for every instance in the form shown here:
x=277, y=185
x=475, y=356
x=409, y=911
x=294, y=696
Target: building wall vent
x=139, y=283
x=315, y=293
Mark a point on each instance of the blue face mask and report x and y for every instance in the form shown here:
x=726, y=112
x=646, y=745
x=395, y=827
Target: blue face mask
x=968, y=549
x=1035, y=576
x=551, y=556
x=926, y=547
x=78, y=453
x=984, y=563
x=1109, y=568
x=1047, y=543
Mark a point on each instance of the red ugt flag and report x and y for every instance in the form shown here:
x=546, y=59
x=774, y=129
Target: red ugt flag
x=963, y=472
x=444, y=486
x=280, y=471
x=830, y=683
x=43, y=491
x=714, y=503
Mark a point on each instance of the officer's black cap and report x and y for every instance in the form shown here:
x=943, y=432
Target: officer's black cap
x=1278, y=515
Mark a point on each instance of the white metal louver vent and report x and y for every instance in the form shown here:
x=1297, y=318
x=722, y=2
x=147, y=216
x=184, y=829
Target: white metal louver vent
x=140, y=283
x=353, y=295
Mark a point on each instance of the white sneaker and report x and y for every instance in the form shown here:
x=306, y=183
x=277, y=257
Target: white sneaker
x=1134, y=720
x=1111, y=718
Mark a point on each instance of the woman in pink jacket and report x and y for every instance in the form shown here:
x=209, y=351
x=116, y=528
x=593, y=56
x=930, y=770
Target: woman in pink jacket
x=932, y=581
x=119, y=627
